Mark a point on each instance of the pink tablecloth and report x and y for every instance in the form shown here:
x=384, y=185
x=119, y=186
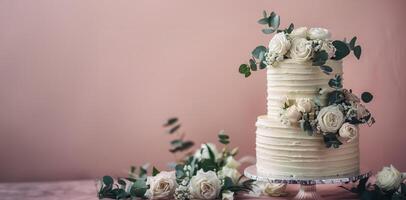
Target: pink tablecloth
x=86, y=190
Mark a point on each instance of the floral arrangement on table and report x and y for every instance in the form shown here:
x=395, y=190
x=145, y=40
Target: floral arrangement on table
x=339, y=117
x=205, y=174
x=389, y=185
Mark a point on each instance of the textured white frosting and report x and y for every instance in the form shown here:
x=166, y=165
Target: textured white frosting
x=287, y=150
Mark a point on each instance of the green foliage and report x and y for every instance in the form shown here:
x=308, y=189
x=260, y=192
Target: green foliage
x=342, y=49
x=326, y=69
x=272, y=22
x=335, y=97
x=155, y=171
x=258, y=51
x=331, y=140
x=366, y=97
x=253, y=65
x=171, y=121
x=357, y=52
x=223, y=138
x=320, y=58
x=108, y=180
x=178, y=144
x=244, y=69
x=336, y=82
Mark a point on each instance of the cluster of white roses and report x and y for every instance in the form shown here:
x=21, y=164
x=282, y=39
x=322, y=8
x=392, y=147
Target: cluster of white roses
x=389, y=179
x=300, y=45
x=341, y=119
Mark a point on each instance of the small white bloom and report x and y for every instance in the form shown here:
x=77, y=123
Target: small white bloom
x=162, y=186
x=229, y=172
x=300, y=32
x=301, y=49
x=389, y=178
x=279, y=44
x=330, y=119
x=227, y=195
x=203, y=152
x=318, y=34
x=348, y=131
x=232, y=163
x=329, y=48
x=304, y=104
x=293, y=115
x=275, y=189
x=205, y=185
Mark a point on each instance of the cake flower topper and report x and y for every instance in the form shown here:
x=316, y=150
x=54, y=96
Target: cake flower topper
x=301, y=44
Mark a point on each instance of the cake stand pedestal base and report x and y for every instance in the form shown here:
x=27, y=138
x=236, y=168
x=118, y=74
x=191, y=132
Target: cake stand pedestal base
x=307, y=189
x=307, y=192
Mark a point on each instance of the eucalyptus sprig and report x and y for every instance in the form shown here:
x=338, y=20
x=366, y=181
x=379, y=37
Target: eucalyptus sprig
x=343, y=49
x=179, y=144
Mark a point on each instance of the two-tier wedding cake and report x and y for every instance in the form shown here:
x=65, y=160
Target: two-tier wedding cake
x=311, y=126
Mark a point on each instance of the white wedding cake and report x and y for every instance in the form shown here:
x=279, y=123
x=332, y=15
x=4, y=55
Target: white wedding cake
x=287, y=150
x=311, y=127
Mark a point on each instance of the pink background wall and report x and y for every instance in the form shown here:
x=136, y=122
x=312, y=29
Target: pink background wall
x=86, y=85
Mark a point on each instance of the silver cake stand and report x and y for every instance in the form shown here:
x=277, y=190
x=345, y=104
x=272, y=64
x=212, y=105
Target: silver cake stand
x=307, y=189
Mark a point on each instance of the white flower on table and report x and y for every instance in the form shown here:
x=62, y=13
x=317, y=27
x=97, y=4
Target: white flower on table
x=304, y=104
x=389, y=178
x=301, y=49
x=205, y=185
x=300, y=32
x=348, y=131
x=203, y=152
x=330, y=119
x=229, y=172
x=269, y=189
x=162, y=186
x=227, y=195
x=318, y=34
x=279, y=44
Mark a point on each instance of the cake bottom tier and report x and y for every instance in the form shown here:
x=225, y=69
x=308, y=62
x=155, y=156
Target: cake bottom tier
x=290, y=152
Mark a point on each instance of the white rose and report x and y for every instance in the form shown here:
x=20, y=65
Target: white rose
x=232, y=163
x=318, y=34
x=279, y=44
x=275, y=189
x=227, y=195
x=300, y=32
x=162, y=186
x=304, y=105
x=229, y=172
x=205, y=185
x=348, y=131
x=203, y=152
x=293, y=115
x=330, y=119
x=389, y=178
x=301, y=49
x=329, y=48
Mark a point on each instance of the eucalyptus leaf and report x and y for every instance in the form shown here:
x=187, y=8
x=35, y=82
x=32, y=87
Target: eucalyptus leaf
x=243, y=68
x=326, y=69
x=357, y=52
x=263, y=21
x=155, y=171
x=290, y=28
x=121, y=182
x=174, y=129
x=258, y=50
x=253, y=65
x=262, y=65
x=264, y=13
x=352, y=43
x=211, y=153
x=320, y=58
x=171, y=121
x=275, y=22
x=342, y=49
x=268, y=30
x=247, y=74
x=108, y=180
x=366, y=97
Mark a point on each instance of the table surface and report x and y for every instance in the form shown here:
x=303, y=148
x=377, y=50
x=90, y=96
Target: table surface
x=86, y=190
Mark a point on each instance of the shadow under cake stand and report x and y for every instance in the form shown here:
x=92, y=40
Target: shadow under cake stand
x=307, y=189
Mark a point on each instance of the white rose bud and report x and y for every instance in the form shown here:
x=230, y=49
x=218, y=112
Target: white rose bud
x=304, y=105
x=348, y=131
x=300, y=32
x=227, y=195
x=301, y=49
x=318, y=34
x=275, y=189
x=279, y=44
x=232, y=163
x=205, y=185
x=293, y=115
x=162, y=186
x=330, y=119
x=389, y=178
x=229, y=172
